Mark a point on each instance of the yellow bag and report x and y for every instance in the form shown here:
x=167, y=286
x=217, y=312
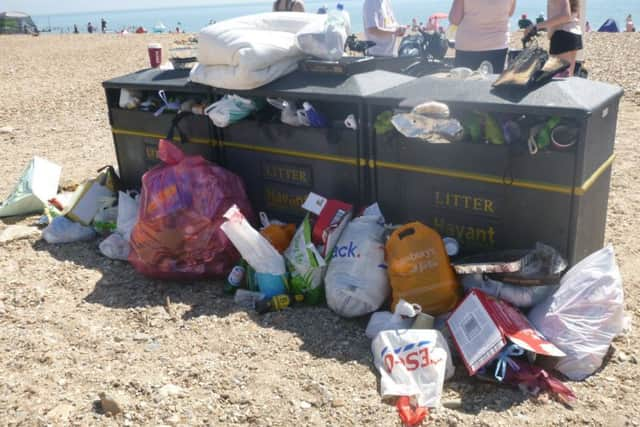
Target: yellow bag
x=419, y=269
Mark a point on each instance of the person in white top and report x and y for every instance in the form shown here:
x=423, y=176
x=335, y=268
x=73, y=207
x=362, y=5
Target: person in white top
x=563, y=27
x=629, y=25
x=483, y=32
x=381, y=27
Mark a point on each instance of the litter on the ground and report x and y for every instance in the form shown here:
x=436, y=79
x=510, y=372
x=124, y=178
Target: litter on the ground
x=63, y=230
x=37, y=184
x=585, y=314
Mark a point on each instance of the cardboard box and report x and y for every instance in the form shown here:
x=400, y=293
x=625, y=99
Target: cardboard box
x=332, y=218
x=482, y=326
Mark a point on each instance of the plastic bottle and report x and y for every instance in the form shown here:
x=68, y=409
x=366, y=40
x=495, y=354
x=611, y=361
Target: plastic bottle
x=333, y=39
x=345, y=17
x=247, y=299
x=275, y=303
x=316, y=119
x=235, y=278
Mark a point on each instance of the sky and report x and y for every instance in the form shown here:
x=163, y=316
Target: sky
x=43, y=7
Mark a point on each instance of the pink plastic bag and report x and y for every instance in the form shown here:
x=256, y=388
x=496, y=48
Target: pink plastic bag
x=177, y=234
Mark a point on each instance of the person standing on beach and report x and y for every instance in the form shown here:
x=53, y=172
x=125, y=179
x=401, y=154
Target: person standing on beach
x=381, y=27
x=629, y=24
x=288, y=6
x=75, y=29
x=563, y=28
x=89, y=28
x=524, y=22
x=103, y=25
x=483, y=32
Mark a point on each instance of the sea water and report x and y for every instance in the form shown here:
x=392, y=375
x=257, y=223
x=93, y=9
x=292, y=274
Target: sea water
x=192, y=19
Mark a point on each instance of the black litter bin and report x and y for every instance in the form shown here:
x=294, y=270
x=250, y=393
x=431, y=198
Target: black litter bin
x=281, y=164
x=501, y=196
x=136, y=133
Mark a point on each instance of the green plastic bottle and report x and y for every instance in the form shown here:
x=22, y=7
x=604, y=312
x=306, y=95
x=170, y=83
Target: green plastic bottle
x=235, y=278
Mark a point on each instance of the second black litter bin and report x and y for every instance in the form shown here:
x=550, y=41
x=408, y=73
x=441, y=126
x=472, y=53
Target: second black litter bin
x=281, y=164
x=501, y=196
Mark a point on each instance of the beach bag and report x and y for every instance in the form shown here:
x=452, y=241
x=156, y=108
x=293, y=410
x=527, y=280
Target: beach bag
x=419, y=269
x=413, y=363
x=533, y=67
x=584, y=315
x=177, y=234
x=356, y=282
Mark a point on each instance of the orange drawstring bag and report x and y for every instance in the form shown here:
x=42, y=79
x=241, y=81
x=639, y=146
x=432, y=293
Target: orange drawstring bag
x=279, y=236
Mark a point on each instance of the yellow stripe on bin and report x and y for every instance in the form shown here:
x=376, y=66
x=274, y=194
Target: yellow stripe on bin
x=580, y=191
x=305, y=155
x=492, y=179
x=159, y=136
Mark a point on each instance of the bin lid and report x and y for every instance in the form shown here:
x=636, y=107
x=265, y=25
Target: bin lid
x=327, y=87
x=576, y=97
x=156, y=79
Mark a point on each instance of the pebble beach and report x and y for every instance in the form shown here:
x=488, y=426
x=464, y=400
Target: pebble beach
x=74, y=324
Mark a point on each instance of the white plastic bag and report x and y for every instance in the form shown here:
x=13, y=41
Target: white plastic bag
x=63, y=230
x=356, y=282
x=518, y=295
x=402, y=318
x=115, y=247
x=254, y=248
x=289, y=114
x=127, y=214
x=324, y=40
x=585, y=314
x=413, y=362
x=230, y=109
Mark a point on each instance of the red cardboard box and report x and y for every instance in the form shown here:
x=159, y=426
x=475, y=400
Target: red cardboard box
x=332, y=217
x=482, y=326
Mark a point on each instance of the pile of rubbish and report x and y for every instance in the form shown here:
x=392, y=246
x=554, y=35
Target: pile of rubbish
x=520, y=307
x=433, y=122
x=512, y=317
x=230, y=109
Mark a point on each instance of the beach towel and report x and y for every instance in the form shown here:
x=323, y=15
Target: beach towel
x=250, y=51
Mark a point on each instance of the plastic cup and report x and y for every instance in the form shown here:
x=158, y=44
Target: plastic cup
x=155, y=54
x=270, y=285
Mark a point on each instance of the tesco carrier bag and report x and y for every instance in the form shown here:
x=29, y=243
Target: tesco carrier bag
x=413, y=363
